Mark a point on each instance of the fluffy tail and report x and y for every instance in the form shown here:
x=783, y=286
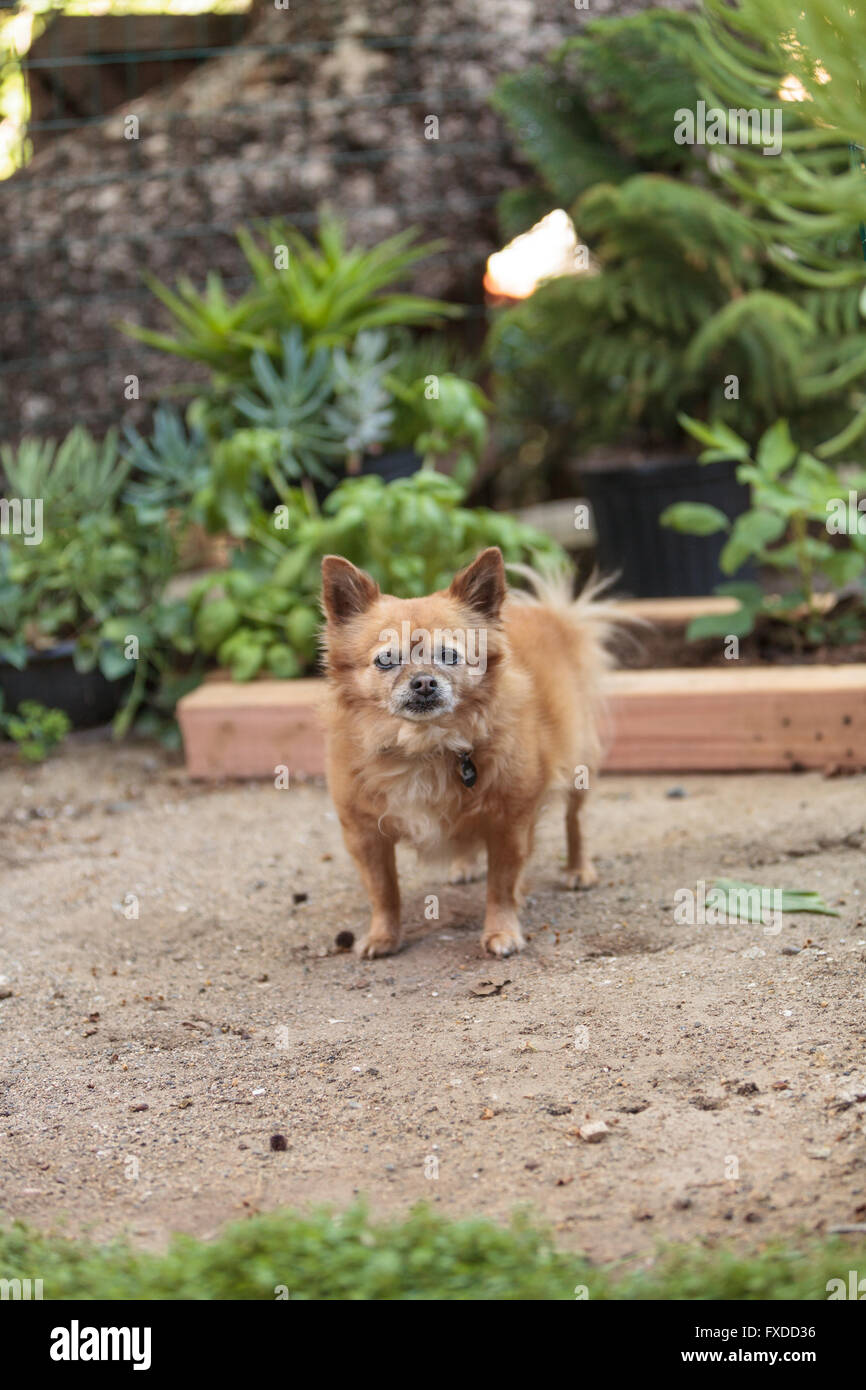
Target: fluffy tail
x=595, y=622
x=596, y=618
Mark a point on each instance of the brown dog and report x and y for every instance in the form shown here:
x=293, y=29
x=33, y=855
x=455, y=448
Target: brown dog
x=449, y=718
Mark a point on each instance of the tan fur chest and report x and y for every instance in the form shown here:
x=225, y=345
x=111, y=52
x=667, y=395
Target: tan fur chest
x=422, y=800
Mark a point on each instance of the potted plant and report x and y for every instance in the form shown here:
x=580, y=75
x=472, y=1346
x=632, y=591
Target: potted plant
x=306, y=363
x=76, y=599
x=303, y=418
x=684, y=307
x=804, y=522
x=806, y=518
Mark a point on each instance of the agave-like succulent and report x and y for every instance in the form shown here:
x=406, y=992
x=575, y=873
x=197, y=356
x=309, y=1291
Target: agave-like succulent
x=292, y=402
x=363, y=413
x=78, y=477
x=333, y=291
x=327, y=289
x=173, y=461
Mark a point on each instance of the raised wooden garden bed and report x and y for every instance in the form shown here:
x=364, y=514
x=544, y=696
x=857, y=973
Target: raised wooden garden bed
x=233, y=730
x=751, y=718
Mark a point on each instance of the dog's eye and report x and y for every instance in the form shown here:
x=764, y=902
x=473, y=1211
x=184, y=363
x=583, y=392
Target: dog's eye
x=450, y=657
x=384, y=662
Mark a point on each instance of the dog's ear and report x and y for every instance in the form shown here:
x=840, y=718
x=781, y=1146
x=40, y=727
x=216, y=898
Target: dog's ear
x=482, y=584
x=346, y=590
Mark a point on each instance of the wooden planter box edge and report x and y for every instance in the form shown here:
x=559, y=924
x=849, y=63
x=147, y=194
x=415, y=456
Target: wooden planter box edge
x=754, y=718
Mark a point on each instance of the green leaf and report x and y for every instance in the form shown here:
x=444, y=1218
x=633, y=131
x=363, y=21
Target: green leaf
x=282, y=662
x=843, y=567
x=292, y=567
x=701, y=432
x=776, y=450
x=36, y=729
x=775, y=497
x=214, y=622
x=719, y=438
x=737, y=624
x=752, y=901
x=302, y=628
x=247, y=661
x=113, y=664
x=747, y=593
x=694, y=518
x=727, y=445
x=15, y=652
x=750, y=535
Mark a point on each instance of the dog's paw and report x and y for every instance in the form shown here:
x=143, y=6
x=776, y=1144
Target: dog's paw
x=466, y=871
x=374, y=944
x=505, y=941
x=586, y=877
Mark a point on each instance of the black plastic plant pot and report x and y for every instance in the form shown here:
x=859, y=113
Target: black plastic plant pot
x=51, y=679
x=398, y=463
x=652, y=560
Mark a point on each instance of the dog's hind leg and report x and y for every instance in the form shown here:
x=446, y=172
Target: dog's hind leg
x=466, y=868
x=579, y=871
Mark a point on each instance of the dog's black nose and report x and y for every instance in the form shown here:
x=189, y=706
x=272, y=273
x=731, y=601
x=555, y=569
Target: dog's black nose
x=424, y=685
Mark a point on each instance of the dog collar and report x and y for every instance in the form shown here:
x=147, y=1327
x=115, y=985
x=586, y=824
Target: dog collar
x=468, y=773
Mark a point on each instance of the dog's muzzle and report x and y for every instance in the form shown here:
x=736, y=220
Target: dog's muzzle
x=425, y=694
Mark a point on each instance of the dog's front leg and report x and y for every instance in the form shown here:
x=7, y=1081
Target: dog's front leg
x=374, y=855
x=508, y=848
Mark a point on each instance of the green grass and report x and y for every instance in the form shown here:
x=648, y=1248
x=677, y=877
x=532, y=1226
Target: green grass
x=322, y=1256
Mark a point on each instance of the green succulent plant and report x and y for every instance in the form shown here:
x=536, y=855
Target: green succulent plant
x=363, y=412
x=173, y=462
x=98, y=575
x=35, y=728
x=326, y=290
x=79, y=475
x=279, y=431
x=335, y=292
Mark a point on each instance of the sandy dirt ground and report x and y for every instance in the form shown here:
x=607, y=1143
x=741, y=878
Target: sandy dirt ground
x=148, y=1062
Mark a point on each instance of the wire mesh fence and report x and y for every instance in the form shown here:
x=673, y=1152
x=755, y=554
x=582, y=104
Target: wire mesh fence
x=145, y=139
